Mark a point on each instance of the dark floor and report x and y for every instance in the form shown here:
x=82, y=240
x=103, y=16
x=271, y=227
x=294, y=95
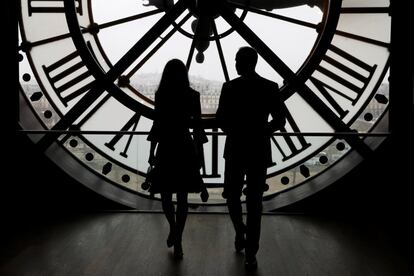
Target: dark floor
x=134, y=244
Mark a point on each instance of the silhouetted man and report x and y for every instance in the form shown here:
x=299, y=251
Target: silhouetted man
x=243, y=114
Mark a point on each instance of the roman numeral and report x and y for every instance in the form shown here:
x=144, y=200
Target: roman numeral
x=65, y=76
x=50, y=6
x=131, y=125
x=345, y=78
x=290, y=146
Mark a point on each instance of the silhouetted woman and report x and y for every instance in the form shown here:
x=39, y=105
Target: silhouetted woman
x=176, y=153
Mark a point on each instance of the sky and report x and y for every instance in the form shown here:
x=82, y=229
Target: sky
x=292, y=43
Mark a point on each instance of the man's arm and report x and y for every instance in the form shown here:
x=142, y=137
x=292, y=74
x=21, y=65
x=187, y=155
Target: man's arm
x=278, y=112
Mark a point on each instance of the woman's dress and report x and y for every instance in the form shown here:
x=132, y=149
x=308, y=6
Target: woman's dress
x=178, y=156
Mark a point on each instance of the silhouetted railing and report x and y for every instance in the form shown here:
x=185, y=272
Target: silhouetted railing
x=109, y=132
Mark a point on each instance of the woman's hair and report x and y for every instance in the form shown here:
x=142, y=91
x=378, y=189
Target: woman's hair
x=175, y=75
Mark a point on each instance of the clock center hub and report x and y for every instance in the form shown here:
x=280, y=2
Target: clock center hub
x=207, y=8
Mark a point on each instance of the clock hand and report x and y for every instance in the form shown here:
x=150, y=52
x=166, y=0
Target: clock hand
x=93, y=28
x=220, y=51
x=305, y=92
x=280, y=67
x=128, y=19
x=350, y=10
x=104, y=81
x=158, y=46
x=279, y=4
x=273, y=15
x=146, y=41
x=132, y=54
x=161, y=4
x=272, y=59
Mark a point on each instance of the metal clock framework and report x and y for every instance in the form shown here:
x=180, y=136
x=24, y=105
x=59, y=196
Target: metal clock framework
x=89, y=70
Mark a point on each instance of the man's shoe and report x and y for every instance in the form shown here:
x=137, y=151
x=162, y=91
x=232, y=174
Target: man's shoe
x=250, y=263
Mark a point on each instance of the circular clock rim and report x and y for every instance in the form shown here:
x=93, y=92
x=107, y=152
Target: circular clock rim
x=281, y=199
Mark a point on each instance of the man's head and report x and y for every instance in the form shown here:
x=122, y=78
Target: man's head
x=246, y=59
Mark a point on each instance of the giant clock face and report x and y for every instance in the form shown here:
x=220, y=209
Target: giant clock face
x=89, y=70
